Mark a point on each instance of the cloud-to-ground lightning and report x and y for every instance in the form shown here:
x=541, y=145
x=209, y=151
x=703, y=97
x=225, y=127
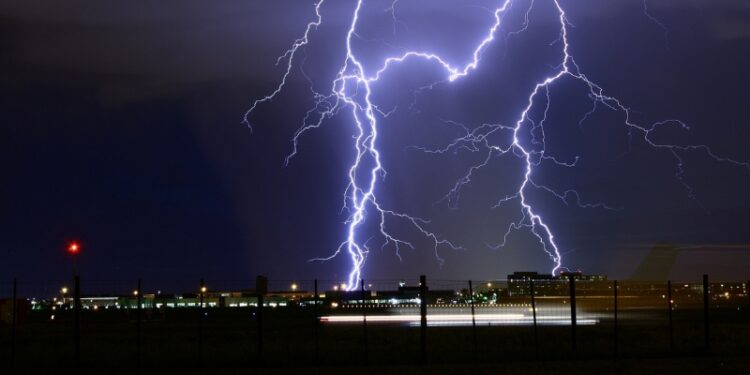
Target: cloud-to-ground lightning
x=352, y=89
x=658, y=22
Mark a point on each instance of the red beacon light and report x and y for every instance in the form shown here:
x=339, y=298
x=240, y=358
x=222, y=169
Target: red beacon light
x=74, y=248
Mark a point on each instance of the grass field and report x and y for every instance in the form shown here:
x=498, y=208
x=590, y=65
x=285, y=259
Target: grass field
x=227, y=340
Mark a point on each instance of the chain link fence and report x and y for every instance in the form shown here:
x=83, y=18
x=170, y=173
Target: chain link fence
x=154, y=324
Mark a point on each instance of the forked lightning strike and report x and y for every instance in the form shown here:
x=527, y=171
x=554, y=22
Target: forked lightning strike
x=352, y=88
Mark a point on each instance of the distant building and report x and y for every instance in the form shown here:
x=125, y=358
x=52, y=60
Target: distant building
x=578, y=275
x=519, y=283
x=529, y=275
x=403, y=295
x=546, y=284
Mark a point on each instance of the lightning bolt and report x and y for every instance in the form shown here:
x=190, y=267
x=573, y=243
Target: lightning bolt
x=658, y=22
x=289, y=55
x=351, y=90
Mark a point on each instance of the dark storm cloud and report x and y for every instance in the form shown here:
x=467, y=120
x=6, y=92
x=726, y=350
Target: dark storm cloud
x=147, y=49
x=121, y=127
x=736, y=28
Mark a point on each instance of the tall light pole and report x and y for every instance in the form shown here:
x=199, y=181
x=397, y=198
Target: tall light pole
x=74, y=248
x=63, y=294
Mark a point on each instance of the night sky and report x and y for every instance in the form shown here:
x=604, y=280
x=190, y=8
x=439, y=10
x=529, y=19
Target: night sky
x=121, y=128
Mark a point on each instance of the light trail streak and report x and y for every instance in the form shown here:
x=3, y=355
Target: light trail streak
x=457, y=319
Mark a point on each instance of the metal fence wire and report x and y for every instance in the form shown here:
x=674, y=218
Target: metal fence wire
x=132, y=324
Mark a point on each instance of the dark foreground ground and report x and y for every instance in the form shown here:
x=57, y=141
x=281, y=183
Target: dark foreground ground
x=714, y=365
x=226, y=342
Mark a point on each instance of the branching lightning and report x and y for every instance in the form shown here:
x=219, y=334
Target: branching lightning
x=351, y=90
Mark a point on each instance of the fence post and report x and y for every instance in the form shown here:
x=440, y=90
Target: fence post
x=423, y=315
x=364, y=320
x=261, y=286
x=317, y=320
x=705, y=312
x=573, y=322
x=139, y=317
x=200, y=322
x=473, y=319
x=77, y=321
x=13, y=327
x=533, y=314
x=616, y=327
x=671, y=323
